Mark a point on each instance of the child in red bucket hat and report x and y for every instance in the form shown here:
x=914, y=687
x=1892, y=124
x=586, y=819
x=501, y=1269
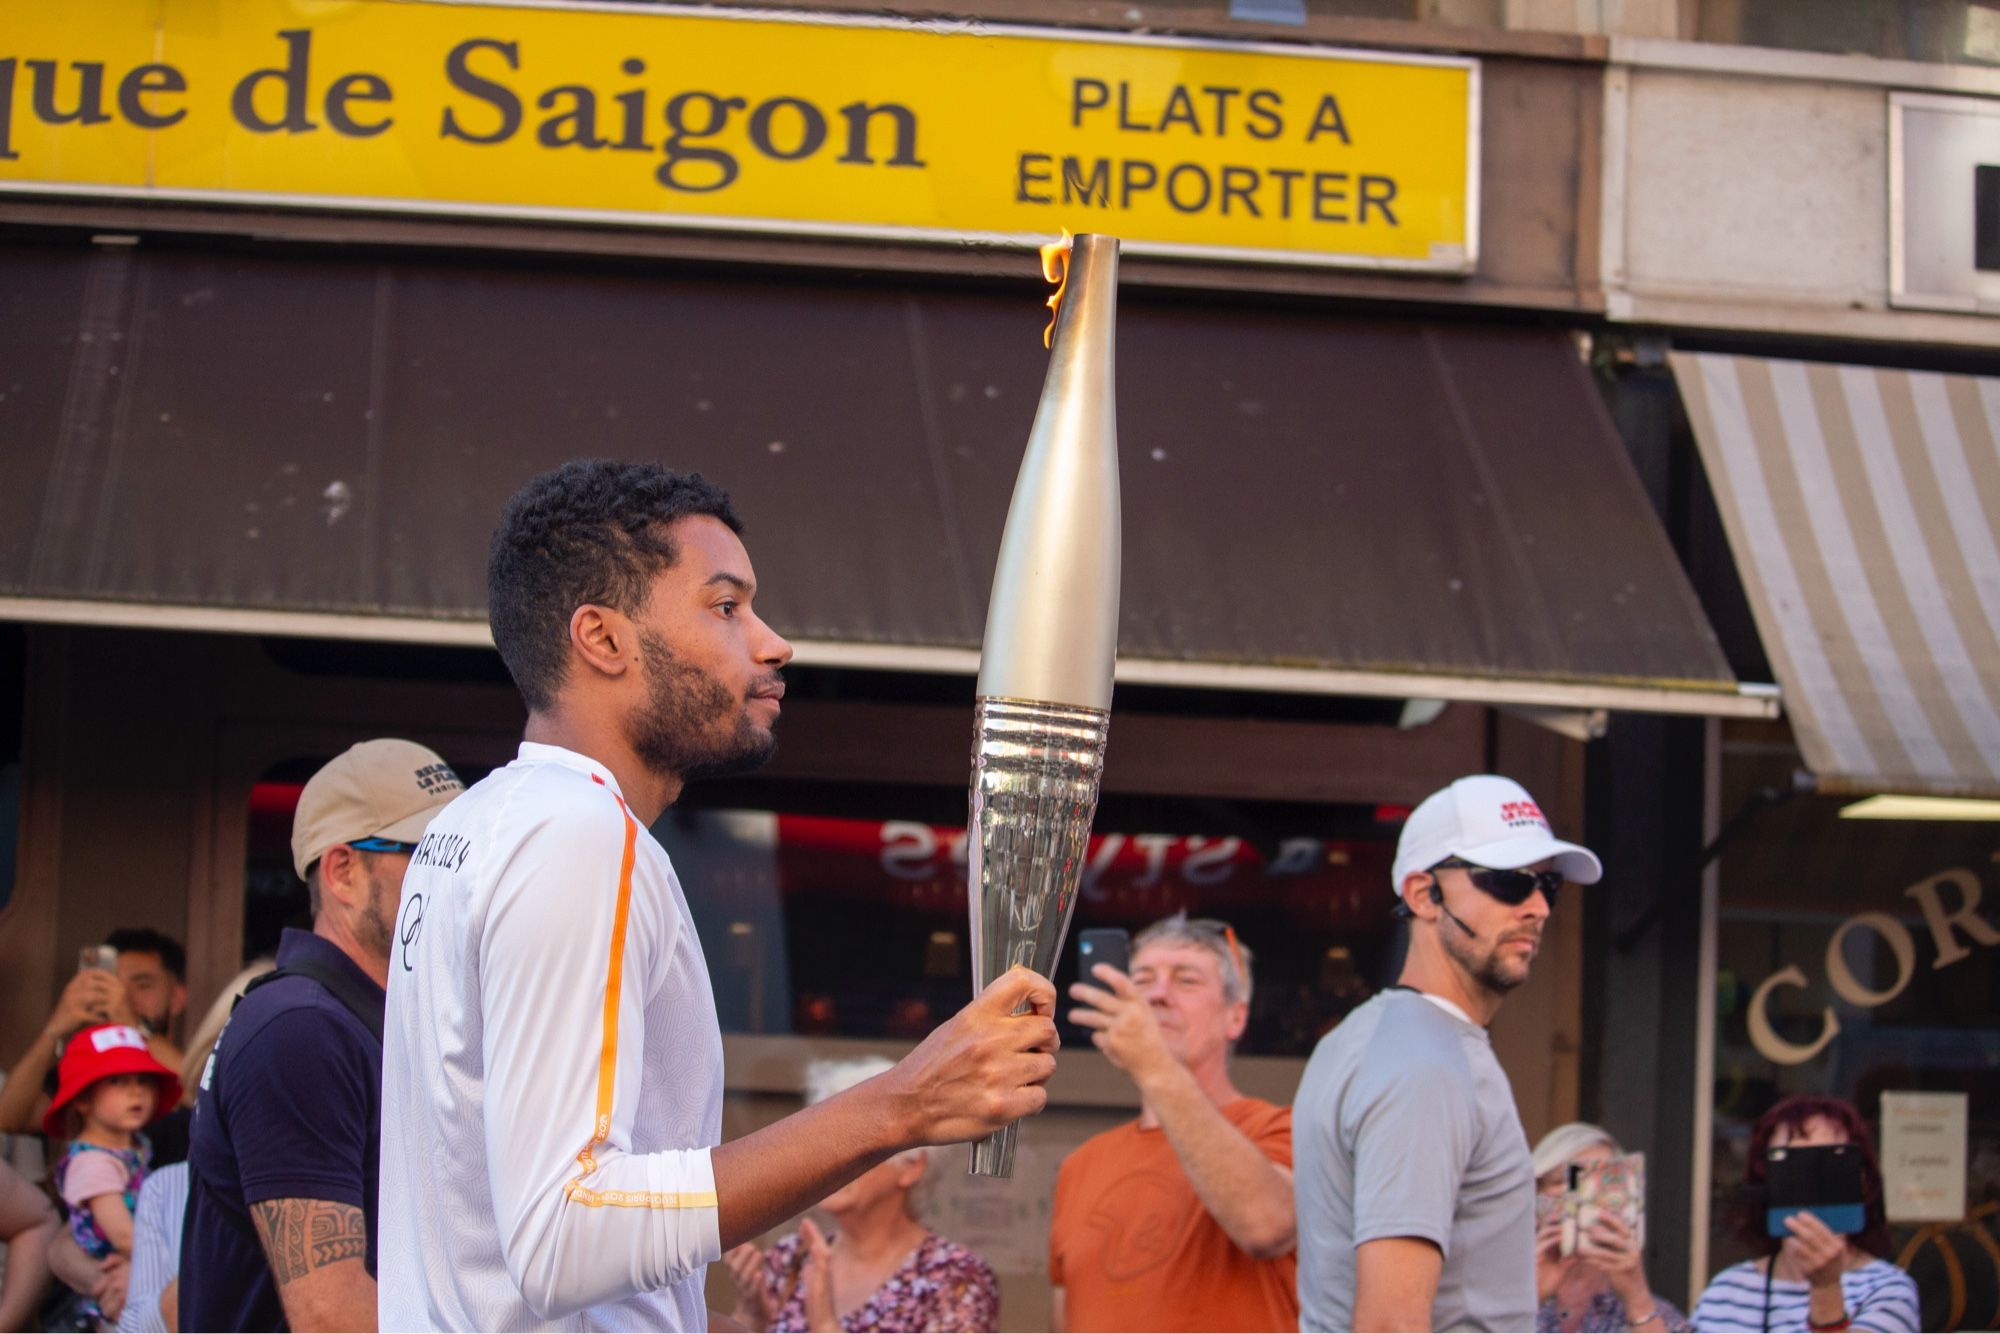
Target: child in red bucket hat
x=109, y=1088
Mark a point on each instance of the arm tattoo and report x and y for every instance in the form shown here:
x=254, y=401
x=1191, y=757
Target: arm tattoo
x=303, y=1235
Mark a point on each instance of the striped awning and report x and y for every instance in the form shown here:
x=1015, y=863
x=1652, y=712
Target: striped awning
x=1862, y=506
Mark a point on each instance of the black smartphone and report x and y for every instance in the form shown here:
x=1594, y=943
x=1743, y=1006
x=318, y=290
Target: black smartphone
x=1819, y=1179
x=1102, y=944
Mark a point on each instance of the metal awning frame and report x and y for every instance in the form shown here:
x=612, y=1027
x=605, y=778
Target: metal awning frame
x=1748, y=700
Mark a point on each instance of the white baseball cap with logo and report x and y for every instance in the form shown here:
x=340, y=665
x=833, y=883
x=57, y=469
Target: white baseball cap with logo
x=387, y=789
x=1489, y=821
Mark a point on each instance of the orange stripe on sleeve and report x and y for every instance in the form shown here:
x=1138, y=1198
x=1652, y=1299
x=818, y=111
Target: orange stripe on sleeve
x=637, y=1199
x=607, y=1056
x=614, y=976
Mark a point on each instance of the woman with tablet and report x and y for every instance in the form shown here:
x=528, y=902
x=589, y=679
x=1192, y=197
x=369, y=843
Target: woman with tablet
x=1812, y=1203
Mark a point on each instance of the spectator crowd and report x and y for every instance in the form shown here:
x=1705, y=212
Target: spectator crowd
x=237, y=1189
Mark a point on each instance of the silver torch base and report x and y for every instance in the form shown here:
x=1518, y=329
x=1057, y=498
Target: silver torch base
x=1035, y=772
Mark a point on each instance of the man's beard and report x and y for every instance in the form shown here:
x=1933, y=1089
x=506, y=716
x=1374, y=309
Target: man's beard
x=1487, y=969
x=372, y=931
x=690, y=726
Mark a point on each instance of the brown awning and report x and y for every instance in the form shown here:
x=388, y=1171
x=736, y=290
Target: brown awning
x=303, y=443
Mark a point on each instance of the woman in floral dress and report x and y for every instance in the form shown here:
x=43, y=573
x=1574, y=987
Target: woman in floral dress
x=881, y=1268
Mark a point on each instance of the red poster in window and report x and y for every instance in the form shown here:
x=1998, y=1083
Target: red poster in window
x=1318, y=882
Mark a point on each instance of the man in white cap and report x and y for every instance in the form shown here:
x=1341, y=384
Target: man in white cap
x=1416, y=1196
x=282, y=1189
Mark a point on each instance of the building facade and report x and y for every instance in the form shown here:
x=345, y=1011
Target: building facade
x=1414, y=482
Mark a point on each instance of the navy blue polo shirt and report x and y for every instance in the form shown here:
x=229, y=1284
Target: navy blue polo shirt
x=291, y=1109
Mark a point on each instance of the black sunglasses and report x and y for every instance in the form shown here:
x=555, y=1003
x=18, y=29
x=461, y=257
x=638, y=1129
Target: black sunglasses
x=1510, y=887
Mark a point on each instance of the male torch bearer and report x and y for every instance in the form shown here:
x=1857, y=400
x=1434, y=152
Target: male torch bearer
x=1044, y=701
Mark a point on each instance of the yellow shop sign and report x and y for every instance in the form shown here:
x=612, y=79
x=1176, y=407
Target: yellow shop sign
x=659, y=116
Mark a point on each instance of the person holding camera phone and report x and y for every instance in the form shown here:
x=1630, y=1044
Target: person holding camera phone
x=1183, y=1218
x=1809, y=1276
x=137, y=977
x=1598, y=1283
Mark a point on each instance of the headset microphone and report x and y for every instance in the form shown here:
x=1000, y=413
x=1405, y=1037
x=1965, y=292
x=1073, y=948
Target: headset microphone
x=1437, y=897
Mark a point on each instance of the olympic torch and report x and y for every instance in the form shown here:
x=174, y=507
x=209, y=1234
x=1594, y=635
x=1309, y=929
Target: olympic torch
x=1044, y=695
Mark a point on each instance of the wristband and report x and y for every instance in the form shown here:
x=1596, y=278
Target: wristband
x=1831, y=1327
x=1633, y=1322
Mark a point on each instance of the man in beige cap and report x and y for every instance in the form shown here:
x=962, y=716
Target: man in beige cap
x=281, y=1219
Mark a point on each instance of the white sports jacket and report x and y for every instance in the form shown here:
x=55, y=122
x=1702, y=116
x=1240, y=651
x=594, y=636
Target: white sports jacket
x=552, y=1068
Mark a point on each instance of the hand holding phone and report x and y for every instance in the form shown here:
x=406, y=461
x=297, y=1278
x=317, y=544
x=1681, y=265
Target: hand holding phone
x=90, y=996
x=1120, y=1020
x=1817, y=1251
x=1102, y=944
x=1614, y=1188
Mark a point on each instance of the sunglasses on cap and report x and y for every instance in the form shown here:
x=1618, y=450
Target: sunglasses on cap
x=1510, y=887
x=380, y=845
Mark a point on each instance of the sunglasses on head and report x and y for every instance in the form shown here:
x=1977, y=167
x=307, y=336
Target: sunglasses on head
x=1510, y=887
x=1216, y=926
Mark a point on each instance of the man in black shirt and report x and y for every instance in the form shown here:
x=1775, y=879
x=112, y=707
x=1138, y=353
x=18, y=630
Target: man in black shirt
x=281, y=1218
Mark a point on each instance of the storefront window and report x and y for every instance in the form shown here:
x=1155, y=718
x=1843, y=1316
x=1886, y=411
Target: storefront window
x=1947, y=32
x=1861, y=958
x=840, y=909
x=1938, y=31
x=273, y=895
x=852, y=922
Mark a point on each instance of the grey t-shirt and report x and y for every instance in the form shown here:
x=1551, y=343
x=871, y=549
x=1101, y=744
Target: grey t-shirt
x=1405, y=1126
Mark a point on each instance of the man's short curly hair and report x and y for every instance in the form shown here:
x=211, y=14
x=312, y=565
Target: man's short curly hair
x=591, y=531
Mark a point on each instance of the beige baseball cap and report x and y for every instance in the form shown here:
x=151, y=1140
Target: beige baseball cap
x=376, y=789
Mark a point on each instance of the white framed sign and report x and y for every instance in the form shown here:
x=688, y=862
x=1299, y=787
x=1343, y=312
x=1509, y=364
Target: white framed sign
x=1924, y=1157
x=1944, y=202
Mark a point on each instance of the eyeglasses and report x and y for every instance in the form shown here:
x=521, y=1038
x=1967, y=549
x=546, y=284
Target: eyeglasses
x=380, y=845
x=1510, y=887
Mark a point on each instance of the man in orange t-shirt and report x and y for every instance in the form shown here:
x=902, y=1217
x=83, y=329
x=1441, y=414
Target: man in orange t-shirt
x=1182, y=1219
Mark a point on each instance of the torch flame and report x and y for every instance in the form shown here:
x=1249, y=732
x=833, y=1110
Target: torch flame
x=1055, y=268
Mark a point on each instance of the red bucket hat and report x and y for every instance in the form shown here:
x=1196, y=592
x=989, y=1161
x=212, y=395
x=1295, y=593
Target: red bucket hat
x=98, y=1053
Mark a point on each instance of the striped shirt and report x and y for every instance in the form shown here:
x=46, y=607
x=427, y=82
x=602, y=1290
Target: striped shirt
x=1880, y=1297
x=156, y=1249
x=552, y=1068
